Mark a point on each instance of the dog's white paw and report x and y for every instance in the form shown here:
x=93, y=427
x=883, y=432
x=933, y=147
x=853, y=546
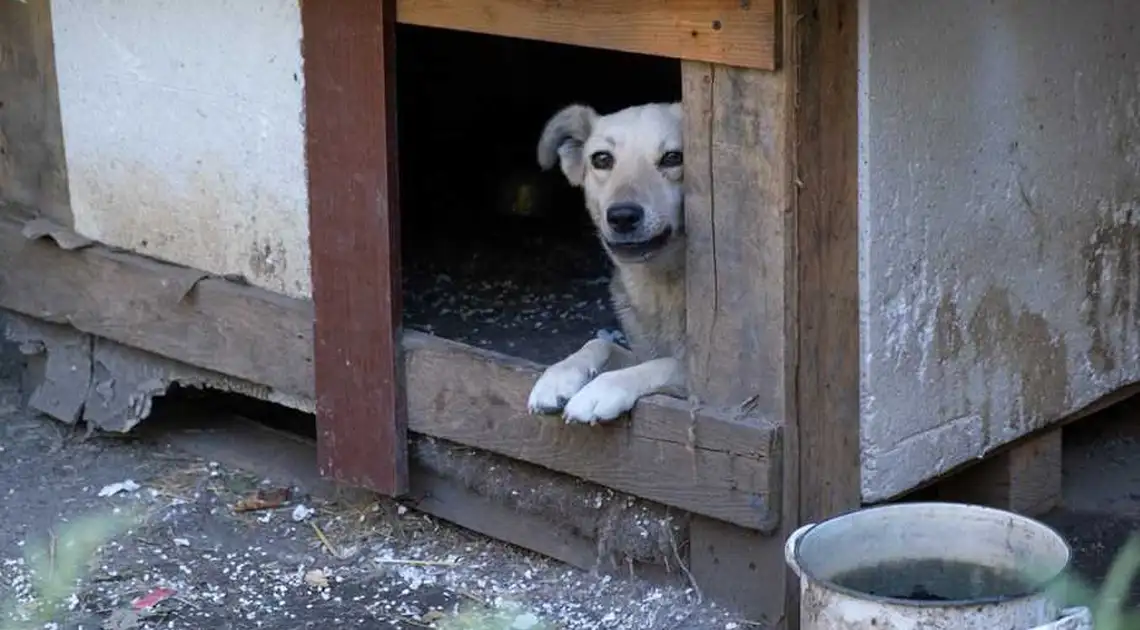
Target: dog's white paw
x=556, y=387
x=604, y=398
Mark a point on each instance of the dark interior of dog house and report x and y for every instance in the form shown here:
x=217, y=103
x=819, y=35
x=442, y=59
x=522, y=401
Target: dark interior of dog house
x=497, y=253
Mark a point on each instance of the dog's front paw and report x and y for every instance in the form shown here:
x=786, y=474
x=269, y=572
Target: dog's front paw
x=604, y=398
x=556, y=386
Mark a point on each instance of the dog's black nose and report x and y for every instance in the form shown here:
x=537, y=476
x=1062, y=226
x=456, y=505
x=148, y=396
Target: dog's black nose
x=624, y=217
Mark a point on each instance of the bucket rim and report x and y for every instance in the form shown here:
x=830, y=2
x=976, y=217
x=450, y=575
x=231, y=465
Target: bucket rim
x=1041, y=588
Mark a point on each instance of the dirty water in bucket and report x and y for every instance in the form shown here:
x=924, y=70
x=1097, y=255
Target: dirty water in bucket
x=935, y=580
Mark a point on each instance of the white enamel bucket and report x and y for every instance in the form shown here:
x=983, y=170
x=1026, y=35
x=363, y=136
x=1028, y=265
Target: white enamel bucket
x=931, y=566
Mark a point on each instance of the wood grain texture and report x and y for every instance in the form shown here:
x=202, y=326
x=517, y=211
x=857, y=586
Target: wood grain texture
x=825, y=65
x=220, y=436
x=1023, y=478
x=709, y=464
x=736, y=220
x=773, y=280
x=728, y=32
x=823, y=427
x=712, y=464
x=348, y=48
x=179, y=313
x=33, y=165
x=737, y=223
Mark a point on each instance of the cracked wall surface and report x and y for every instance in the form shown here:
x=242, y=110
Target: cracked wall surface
x=1000, y=224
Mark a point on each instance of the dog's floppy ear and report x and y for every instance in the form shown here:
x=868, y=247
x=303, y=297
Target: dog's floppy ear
x=563, y=139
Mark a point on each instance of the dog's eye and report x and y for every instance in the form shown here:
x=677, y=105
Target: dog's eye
x=602, y=160
x=671, y=159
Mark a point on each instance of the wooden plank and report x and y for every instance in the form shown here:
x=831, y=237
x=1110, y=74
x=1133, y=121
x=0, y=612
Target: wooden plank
x=773, y=276
x=729, y=32
x=736, y=221
x=737, y=225
x=710, y=464
x=824, y=61
x=1024, y=478
x=452, y=502
x=33, y=166
x=354, y=233
x=179, y=313
x=824, y=425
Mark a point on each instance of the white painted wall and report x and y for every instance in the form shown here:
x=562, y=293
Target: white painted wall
x=183, y=128
x=1000, y=223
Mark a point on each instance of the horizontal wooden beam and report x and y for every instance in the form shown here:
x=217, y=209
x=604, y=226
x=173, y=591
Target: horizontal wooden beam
x=176, y=312
x=727, y=32
x=703, y=462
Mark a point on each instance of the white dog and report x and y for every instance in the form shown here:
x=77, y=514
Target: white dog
x=629, y=165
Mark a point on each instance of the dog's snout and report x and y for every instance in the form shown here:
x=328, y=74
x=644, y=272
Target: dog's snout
x=624, y=217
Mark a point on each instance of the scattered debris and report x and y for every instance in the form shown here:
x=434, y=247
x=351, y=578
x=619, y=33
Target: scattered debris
x=418, y=563
x=302, y=512
x=317, y=578
x=195, y=562
x=264, y=499
x=152, y=598
x=537, y=299
x=123, y=620
x=112, y=489
x=525, y=621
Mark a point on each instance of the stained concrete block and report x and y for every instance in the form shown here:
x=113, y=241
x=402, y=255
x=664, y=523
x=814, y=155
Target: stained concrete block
x=1000, y=224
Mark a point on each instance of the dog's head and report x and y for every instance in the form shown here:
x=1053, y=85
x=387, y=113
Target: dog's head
x=630, y=166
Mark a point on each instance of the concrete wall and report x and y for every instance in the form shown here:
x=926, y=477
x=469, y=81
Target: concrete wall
x=1000, y=223
x=183, y=130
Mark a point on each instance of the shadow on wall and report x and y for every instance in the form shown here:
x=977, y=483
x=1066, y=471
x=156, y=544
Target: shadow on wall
x=11, y=361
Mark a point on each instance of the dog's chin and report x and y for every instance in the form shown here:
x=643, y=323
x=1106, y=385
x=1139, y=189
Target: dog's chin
x=640, y=251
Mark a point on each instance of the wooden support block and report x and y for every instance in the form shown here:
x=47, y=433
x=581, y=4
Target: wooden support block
x=1024, y=478
x=728, y=32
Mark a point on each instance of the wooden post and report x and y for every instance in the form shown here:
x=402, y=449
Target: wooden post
x=354, y=233
x=737, y=224
x=773, y=286
x=1024, y=478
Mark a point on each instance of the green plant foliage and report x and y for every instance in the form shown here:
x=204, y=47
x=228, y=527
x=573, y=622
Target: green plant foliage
x=508, y=617
x=1108, y=604
x=56, y=566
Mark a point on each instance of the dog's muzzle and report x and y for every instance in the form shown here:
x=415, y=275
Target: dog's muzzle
x=640, y=249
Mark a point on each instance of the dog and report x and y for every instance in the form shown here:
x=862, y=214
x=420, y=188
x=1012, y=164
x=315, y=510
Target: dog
x=630, y=167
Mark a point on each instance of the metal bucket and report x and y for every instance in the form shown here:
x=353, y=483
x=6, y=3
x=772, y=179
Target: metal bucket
x=931, y=566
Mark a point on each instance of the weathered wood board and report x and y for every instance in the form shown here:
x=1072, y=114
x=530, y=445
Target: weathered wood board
x=699, y=460
x=33, y=170
x=726, y=32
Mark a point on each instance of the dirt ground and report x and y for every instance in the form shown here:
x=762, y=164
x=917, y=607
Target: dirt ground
x=320, y=559
x=325, y=558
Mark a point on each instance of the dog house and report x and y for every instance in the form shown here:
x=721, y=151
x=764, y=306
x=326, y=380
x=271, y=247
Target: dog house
x=910, y=228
